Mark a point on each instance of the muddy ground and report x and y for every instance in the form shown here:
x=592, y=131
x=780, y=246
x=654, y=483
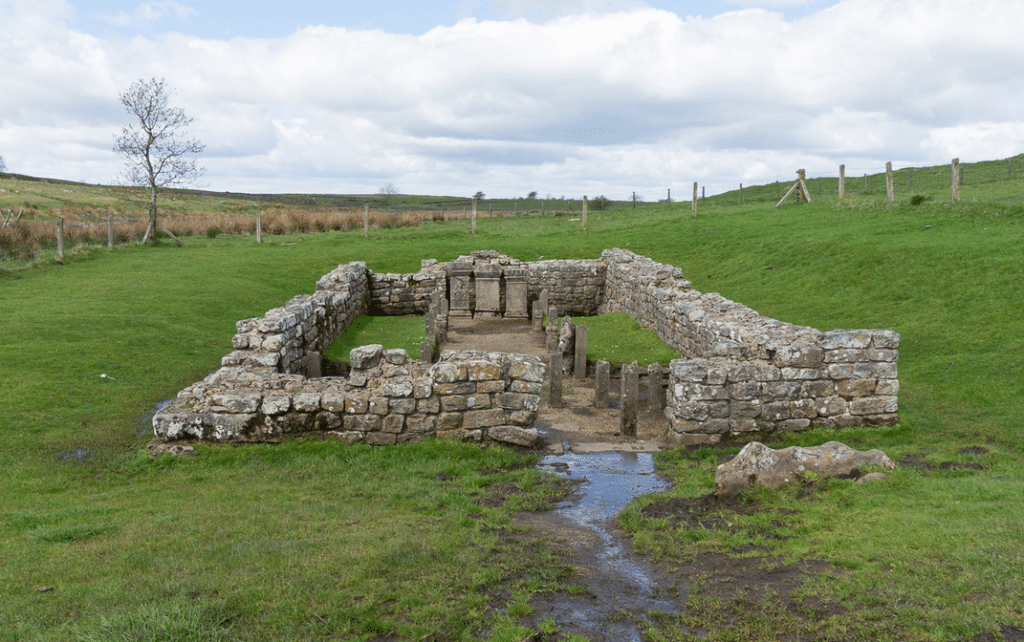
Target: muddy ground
x=620, y=593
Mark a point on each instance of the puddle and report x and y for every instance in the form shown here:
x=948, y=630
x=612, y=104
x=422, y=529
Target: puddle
x=621, y=587
x=146, y=420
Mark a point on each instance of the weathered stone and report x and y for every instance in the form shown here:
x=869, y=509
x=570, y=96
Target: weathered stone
x=602, y=375
x=448, y=372
x=483, y=370
x=856, y=387
x=448, y=421
x=483, y=418
x=365, y=357
x=517, y=435
x=156, y=449
x=519, y=401
x=362, y=423
x=522, y=417
x=396, y=356
x=421, y=423
x=873, y=405
x=307, y=402
x=237, y=401
x=757, y=463
x=381, y=439
x=402, y=406
x=378, y=405
x=630, y=400
x=799, y=357
x=275, y=404
x=397, y=389
x=356, y=405
x=393, y=423
x=532, y=369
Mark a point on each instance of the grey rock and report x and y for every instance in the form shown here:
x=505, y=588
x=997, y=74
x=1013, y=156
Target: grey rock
x=759, y=464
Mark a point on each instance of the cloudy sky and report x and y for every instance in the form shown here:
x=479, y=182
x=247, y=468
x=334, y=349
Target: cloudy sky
x=565, y=97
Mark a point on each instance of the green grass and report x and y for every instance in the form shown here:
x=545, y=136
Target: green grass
x=320, y=540
x=391, y=332
x=617, y=339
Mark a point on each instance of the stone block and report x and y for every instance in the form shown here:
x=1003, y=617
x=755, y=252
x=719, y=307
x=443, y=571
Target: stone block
x=767, y=374
x=856, y=387
x=799, y=357
x=307, y=402
x=365, y=357
x=378, y=406
x=522, y=417
x=887, y=387
x=823, y=388
x=396, y=356
x=719, y=409
x=883, y=355
x=528, y=370
x=483, y=371
x=237, y=401
x=327, y=421
x=519, y=401
x=775, y=410
x=448, y=421
x=695, y=410
x=452, y=403
x=397, y=389
x=421, y=389
x=448, y=372
x=421, y=423
x=717, y=426
x=794, y=425
x=690, y=372
x=482, y=418
x=873, y=406
x=851, y=371
x=884, y=371
x=381, y=438
x=273, y=343
x=526, y=437
x=357, y=405
x=739, y=373
x=275, y=404
x=803, y=374
x=885, y=339
x=402, y=405
x=844, y=339
x=429, y=405
x=744, y=409
x=742, y=425
x=394, y=423
x=460, y=388
x=846, y=356
x=363, y=423
x=744, y=391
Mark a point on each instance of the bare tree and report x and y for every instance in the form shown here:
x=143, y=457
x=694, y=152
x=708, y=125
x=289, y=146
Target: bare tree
x=389, y=192
x=154, y=154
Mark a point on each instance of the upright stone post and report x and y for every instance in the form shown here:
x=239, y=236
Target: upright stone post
x=441, y=322
x=655, y=395
x=366, y=219
x=842, y=181
x=956, y=180
x=538, y=317
x=110, y=230
x=544, y=301
x=488, y=290
x=629, y=398
x=555, y=372
x=552, y=330
x=426, y=351
x=60, y=240
x=516, y=292
x=429, y=321
x=584, y=213
x=473, y=223
x=602, y=374
x=580, y=367
x=890, y=191
x=694, y=201
x=459, y=272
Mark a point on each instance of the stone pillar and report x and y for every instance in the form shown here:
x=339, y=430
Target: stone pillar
x=441, y=321
x=430, y=323
x=459, y=272
x=516, y=293
x=488, y=291
x=544, y=301
x=655, y=395
x=555, y=372
x=630, y=393
x=552, y=330
x=580, y=367
x=426, y=351
x=601, y=376
x=538, y=317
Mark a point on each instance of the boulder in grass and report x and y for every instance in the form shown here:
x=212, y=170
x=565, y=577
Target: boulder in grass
x=759, y=464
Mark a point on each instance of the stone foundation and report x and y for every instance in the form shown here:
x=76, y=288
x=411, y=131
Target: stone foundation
x=740, y=372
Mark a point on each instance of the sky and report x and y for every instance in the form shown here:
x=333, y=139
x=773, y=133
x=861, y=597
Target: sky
x=562, y=97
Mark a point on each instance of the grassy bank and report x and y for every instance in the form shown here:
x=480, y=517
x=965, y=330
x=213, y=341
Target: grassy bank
x=327, y=541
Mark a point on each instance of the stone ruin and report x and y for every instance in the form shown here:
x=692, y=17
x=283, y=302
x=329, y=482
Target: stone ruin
x=739, y=374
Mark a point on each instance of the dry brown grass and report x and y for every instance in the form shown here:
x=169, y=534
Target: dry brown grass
x=25, y=239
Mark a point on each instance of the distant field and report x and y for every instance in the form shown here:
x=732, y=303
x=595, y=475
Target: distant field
x=323, y=541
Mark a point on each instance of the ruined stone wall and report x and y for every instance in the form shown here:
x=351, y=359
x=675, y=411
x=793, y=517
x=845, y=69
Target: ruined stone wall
x=387, y=399
x=741, y=371
x=405, y=294
x=574, y=287
x=290, y=339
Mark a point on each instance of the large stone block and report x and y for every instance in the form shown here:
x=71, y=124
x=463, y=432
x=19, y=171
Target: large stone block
x=365, y=357
x=483, y=418
x=517, y=435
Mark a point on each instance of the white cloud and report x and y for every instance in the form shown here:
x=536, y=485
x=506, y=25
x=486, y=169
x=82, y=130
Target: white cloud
x=599, y=103
x=153, y=12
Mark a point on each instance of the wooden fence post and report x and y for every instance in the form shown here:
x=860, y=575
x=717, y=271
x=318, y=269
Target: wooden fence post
x=741, y=193
x=803, y=181
x=694, y=201
x=60, y=241
x=842, y=181
x=669, y=198
x=956, y=182
x=473, y=224
x=366, y=219
x=634, y=200
x=584, y=213
x=776, y=189
x=890, y=193
x=110, y=230
x=259, y=227
x=703, y=192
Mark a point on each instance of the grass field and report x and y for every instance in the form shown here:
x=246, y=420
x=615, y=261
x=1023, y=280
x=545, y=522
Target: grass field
x=322, y=541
